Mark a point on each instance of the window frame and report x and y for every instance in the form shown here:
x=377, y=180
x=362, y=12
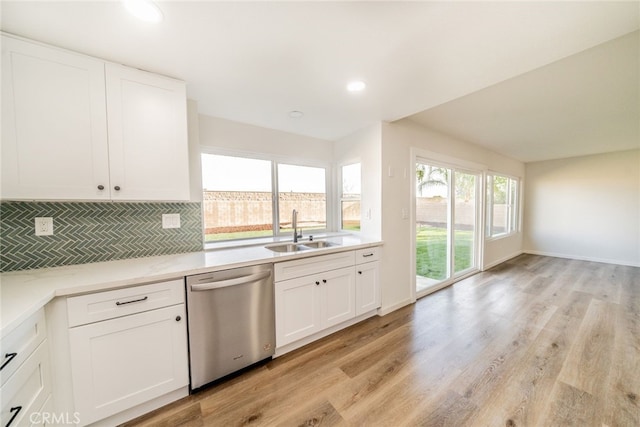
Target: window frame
x=513, y=220
x=341, y=199
x=275, y=161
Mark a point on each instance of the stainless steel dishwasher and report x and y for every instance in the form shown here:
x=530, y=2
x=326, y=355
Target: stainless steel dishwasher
x=231, y=321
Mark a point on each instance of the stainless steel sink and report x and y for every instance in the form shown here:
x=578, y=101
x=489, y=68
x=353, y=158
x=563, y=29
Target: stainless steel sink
x=302, y=246
x=286, y=247
x=319, y=244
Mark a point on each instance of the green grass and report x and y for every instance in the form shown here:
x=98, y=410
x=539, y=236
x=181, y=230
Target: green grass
x=431, y=251
x=351, y=225
x=237, y=235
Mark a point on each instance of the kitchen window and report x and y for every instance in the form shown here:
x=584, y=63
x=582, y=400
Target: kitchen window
x=245, y=197
x=502, y=205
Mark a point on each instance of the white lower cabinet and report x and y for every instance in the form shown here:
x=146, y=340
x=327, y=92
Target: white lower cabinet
x=322, y=293
x=297, y=304
x=367, y=280
x=121, y=362
x=338, y=295
x=26, y=387
x=309, y=304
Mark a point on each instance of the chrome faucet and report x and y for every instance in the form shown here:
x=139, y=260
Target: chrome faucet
x=294, y=224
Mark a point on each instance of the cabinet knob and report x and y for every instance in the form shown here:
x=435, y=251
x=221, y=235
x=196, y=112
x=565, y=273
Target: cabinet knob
x=178, y=318
x=117, y=188
x=100, y=187
x=324, y=280
x=359, y=272
x=317, y=283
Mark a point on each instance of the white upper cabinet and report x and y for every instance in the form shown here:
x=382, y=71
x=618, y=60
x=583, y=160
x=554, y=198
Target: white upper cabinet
x=54, y=132
x=77, y=128
x=147, y=122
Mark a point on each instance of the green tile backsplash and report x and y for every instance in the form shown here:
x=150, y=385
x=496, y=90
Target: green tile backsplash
x=94, y=231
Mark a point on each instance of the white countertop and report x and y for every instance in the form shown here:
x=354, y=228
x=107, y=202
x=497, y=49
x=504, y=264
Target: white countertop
x=22, y=293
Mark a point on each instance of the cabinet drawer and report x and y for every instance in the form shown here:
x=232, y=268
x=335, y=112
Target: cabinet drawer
x=367, y=255
x=304, y=267
x=28, y=389
x=111, y=304
x=20, y=343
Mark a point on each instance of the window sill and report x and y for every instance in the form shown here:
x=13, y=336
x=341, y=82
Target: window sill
x=501, y=236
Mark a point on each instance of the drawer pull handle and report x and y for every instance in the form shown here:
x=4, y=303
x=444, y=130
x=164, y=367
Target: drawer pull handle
x=9, y=357
x=16, y=411
x=132, y=301
x=367, y=255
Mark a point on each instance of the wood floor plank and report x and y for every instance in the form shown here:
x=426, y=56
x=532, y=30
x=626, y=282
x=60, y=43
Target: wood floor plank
x=420, y=383
x=534, y=341
x=622, y=396
x=314, y=414
x=266, y=406
x=522, y=399
x=587, y=366
x=571, y=407
x=455, y=410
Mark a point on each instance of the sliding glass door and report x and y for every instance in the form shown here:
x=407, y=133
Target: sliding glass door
x=446, y=217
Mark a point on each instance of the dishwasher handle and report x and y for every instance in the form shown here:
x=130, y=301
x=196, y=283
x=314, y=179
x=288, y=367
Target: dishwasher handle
x=230, y=282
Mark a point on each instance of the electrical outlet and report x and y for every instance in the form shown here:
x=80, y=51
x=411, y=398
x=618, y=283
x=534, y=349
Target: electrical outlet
x=44, y=226
x=170, y=220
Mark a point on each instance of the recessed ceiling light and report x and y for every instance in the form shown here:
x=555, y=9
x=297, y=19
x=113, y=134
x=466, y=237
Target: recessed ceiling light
x=145, y=10
x=296, y=114
x=356, y=86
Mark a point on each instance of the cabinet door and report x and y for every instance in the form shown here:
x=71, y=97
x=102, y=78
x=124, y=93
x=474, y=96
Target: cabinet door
x=54, y=131
x=148, y=146
x=120, y=363
x=338, y=296
x=367, y=287
x=297, y=304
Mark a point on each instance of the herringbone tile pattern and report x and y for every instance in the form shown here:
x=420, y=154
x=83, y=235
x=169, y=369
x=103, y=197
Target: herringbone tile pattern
x=94, y=231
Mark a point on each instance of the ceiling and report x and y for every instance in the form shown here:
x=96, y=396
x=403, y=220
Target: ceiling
x=532, y=80
x=586, y=103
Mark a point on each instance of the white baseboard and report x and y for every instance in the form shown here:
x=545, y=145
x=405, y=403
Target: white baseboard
x=501, y=260
x=583, y=258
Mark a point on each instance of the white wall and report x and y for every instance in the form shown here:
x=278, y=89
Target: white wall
x=397, y=141
x=226, y=134
x=585, y=208
x=365, y=147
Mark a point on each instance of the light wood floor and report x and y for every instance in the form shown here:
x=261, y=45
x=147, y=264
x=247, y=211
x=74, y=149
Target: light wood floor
x=536, y=341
